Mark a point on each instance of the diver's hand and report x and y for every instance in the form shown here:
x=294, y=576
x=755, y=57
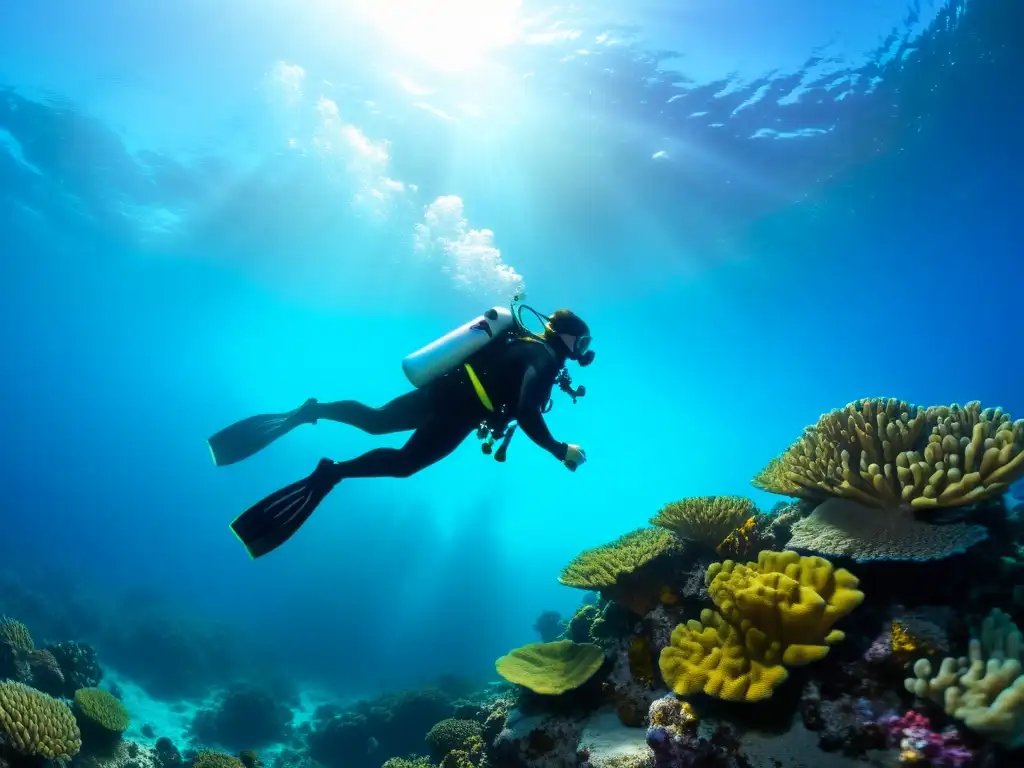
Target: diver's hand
x=574, y=456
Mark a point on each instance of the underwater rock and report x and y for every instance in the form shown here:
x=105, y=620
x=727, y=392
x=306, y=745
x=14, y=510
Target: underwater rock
x=365, y=736
x=674, y=742
x=167, y=754
x=537, y=741
x=608, y=743
x=549, y=626
x=243, y=717
x=631, y=683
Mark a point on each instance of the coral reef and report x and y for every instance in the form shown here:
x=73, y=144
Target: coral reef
x=551, y=668
x=634, y=570
x=101, y=717
x=705, y=520
x=844, y=528
x=775, y=613
x=887, y=453
x=451, y=734
x=919, y=744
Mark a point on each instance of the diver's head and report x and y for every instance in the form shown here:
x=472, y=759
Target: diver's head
x=566, y=331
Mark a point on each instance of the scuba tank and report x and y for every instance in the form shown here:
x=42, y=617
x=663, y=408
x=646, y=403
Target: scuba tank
x=441, y=356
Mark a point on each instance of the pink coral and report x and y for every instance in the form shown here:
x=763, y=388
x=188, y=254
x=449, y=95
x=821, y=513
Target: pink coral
x=918, y=743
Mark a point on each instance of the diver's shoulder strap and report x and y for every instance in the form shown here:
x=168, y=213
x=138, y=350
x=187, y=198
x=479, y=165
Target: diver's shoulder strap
x=547, y=347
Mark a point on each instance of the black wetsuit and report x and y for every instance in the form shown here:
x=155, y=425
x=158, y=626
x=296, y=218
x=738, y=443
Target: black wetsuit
x=517, y=377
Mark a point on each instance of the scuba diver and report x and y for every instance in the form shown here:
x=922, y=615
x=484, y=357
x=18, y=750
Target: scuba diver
x=481, y=376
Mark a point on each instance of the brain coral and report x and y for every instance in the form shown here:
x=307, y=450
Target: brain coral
x=844, y=528
x=886, y=453
x=38, y=725
x=551, y=668
x=707, y=520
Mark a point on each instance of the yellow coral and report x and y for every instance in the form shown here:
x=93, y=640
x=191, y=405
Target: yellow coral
x=713, y=656
x=706, y=520
x=38, y=725
x=774, y=613
x=551, y=668
x=888, y=453
x=900, y=641
x=794, y=600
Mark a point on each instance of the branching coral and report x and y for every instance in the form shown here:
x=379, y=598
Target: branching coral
x=888, y=453
x=706, y=520
x=551, y=668
x=774, y=613
x=985, y=690
x=844, y=528
x=631, y=570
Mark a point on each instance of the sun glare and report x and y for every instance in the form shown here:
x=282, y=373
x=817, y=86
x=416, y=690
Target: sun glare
x=449, y=35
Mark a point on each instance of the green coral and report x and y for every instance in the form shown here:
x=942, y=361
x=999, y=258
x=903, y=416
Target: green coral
x=633, y=570
x=97, y=707
x=216, y=760
x=451, y=733
x=602, y=567
x=551, y=668
x=706, y=520
x=471, y=756
x=407, y=762
x=15, y=634
x=37, y=725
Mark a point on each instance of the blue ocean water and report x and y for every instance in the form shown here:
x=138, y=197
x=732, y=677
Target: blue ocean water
x=212, y=210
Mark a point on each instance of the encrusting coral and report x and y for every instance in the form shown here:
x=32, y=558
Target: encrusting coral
x=706, y=520
x=630, y=570
x=37, y=725
x=984, y=690
x=844, y=528
x=551, y=668
x=774, y=613
x=886, y=453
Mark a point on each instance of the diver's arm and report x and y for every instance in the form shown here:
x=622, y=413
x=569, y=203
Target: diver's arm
x=533, y=395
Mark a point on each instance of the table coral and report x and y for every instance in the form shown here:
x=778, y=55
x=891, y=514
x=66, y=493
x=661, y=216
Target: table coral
x=886, y=453
x=845, y=528
x=774, y=613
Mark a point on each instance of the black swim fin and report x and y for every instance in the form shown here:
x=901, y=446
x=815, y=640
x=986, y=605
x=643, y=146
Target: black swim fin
x=250, y=436
x=265, y=526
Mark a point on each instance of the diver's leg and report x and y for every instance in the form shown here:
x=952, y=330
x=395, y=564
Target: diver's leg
x=428, y=445
x=405, y=412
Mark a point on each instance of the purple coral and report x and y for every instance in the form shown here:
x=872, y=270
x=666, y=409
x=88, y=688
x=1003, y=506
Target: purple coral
x=912, y=732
